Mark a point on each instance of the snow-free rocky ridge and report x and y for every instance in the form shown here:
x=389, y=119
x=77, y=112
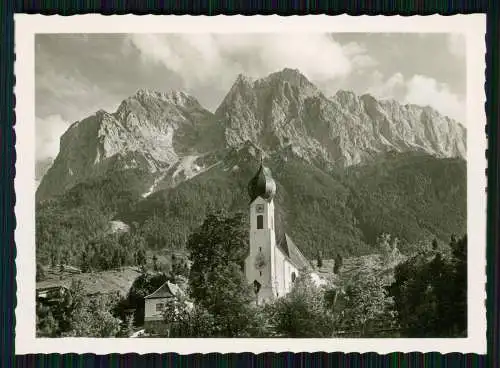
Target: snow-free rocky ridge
x=164, y=134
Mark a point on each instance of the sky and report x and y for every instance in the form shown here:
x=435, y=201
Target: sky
x=78, y=74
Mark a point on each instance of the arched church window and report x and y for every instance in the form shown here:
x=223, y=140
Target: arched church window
x=293, y=276
x=260, y=222
x=256, y=286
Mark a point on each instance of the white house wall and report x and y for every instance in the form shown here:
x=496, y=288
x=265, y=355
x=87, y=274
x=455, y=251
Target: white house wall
x=150, y=313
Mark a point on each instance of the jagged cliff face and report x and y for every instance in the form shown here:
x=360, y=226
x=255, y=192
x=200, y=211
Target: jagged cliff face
x=170, y=137
x=148, y=132
x=285, y=109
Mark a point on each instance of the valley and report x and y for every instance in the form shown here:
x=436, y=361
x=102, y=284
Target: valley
x=348, y=168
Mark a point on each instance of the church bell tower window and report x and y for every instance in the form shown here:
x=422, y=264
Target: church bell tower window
x=260, y=222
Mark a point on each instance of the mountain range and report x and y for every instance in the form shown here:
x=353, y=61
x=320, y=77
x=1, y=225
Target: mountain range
x=348, y=167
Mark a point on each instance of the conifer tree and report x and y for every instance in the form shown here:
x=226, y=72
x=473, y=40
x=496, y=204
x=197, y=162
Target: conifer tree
x=319, y=259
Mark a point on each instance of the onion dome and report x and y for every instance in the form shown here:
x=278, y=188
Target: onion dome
x=262, y=185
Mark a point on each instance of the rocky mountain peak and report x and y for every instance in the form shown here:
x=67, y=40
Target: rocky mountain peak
x=285, y=108
x=150, y=97
x=149, y=132
x=283, y=112
x=243, y=79
x=289, y=81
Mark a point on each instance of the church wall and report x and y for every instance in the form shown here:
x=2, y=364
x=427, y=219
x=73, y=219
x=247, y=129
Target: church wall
x=275, y=273
x=283, y=273
x=288, y=269
x=262, y=241
x=279, y=272
x=268, y=213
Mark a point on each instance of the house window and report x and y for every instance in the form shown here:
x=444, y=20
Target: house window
x=260, y=222
x=260, y=249
x=293, y=276
x=159, y=307
x=260, y=273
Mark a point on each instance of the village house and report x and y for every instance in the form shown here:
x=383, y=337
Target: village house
x=50, y=294
x=154, y=306
x=55, y=285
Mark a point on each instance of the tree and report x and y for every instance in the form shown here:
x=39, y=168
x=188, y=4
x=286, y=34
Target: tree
x=319, y=259
x=458, y=292
x=434, y=244
x=127, y=328
x=142, y=286
x=365, y=301
x=183, y=319
x=302, y=313
x=140, y=257
x=155, y=262
x=85, y=261
x=79, y=315
x=228, y=298
x=220, y=240
x=430, y=293
x=117, y=260
x=40, y=272
x=389, y=249
x=338, y=264
x=94, y=319
x=216, y=280
x=46, y=324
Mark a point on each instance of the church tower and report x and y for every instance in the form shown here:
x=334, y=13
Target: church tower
x=259, y=265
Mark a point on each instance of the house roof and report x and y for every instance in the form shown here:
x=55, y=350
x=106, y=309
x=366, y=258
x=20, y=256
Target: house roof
x=98, y=282
x=290, y=250
x=165, y=291
x=50, y=287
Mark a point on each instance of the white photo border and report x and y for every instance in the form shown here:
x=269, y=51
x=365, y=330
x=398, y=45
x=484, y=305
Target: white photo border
x=26, y=26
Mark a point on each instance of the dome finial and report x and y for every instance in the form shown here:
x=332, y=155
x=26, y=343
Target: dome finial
x=262, y=184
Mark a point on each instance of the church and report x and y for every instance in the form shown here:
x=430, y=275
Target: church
x=274, y=261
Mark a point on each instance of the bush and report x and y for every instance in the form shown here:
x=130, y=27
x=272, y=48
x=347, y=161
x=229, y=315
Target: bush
x=302, y=313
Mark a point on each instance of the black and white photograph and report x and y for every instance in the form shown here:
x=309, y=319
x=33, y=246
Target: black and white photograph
x=254, y=185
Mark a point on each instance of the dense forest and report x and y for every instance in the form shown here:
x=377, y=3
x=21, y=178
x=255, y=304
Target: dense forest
x=419, y=295
x=414, y=197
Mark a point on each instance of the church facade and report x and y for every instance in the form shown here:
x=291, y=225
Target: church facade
x=274, y=261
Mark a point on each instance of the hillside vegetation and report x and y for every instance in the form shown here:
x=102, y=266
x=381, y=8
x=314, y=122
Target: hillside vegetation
x=415, y=197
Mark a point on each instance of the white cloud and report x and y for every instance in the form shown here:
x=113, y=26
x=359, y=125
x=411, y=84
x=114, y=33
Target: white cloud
x=48, y=132
x=422, y=90
x=62, y=85
x=202, y=59
x=359, y=56
x=456, y=44
x=419, y=90
x=392, y=88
